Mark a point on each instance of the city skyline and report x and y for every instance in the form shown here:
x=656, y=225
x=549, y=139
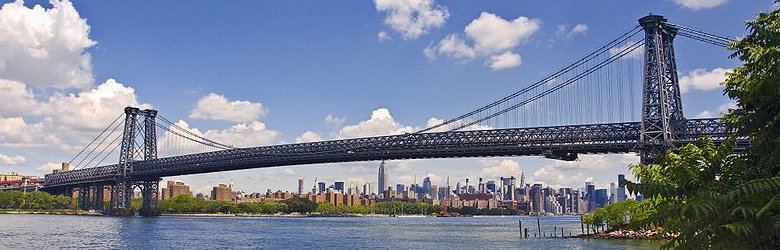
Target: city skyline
x=153, y=60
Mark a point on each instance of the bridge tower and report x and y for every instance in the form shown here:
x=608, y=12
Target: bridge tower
x=122, y=191
x=662, y=116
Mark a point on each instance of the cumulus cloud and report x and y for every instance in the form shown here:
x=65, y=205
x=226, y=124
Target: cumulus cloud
x=699, y=4
x=504, y=61
x=94, y=108
x=240, y=135
x=288, y=171
x=11, y=160
x=495, y=169
x=45, y=47
x=634, y=54
x=332, y=120
x=217, y=107
x=722, y=109
x=572, y=173
x=49, y=166
x=702, y=79
x=433, y=121
x=17, y=99
x=15, y=131
x=412, y=18
x=564, y=32
x=308, y=136
x=488, y=36
x=380, y=123
x=383, y=36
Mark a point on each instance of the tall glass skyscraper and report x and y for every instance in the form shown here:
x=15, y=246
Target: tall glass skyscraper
x=381, y=182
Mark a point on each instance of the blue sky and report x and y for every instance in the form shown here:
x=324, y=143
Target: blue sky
x=267, y=72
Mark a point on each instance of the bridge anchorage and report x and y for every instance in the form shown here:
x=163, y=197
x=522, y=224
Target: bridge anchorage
x=661, y=126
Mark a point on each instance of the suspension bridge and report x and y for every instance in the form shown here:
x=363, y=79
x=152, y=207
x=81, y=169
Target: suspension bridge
x=623, y=97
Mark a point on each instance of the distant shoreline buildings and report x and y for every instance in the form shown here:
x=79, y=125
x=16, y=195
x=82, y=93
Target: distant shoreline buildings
x=505, y=192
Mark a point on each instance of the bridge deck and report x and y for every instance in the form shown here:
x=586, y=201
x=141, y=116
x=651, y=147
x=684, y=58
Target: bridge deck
x=580, y=139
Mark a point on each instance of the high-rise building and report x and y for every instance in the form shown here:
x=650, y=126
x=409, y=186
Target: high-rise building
x=382, y=179
x=300, y=185
x=339, y=185
x=222, y=192
x=321, y=187
x=400, y=187
x=621, y=192
x=434, y=193
x=601, y=197
x=175, y=188
x=612, y=193
x=367, y=188
x=481, y=186
x=537, y=198
x=426, y=187
x=491, y=186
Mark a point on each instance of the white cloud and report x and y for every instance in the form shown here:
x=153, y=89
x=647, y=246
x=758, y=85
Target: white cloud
x=495, y=169
x=634, y=54
x=701, y=79
x=332, y=120
x=250, y=134
x=12, y=160
x=288, y=171
x=563, y=31
x=412, y=18
x=573, y=173
x=722, y=109
x=17, y=99
x=705, y=114
x=383, y=36
x=49, y=166
x=92, y=109
x=455, y=47
x=308, y=136
x=217, y=107
x=699, y=4
x=45, y=47
x=380, y=123
x=504, y=61
x=15, y=131
x=492, y=36
x=433, y=121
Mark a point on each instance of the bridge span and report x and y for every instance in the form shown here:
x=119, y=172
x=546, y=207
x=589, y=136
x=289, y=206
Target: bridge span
x=661, y=126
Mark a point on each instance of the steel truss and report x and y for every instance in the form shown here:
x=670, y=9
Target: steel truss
x=575, y=139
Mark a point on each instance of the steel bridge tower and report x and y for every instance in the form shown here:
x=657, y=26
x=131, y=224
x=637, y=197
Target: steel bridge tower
x=122, y=190
x=662, y=115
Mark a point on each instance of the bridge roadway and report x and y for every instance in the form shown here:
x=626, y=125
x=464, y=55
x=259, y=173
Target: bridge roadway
x=547, y=141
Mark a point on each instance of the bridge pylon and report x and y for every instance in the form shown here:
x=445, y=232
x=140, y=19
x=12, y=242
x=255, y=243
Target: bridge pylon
x=662, y=116
x=131, y=150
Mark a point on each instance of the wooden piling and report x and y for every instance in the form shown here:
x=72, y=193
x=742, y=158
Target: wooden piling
x=538, y=226
x=582, y=226
x=526, y=232
x=555, y=230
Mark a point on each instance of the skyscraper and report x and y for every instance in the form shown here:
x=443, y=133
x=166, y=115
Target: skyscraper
x=382, y=180
x=339, y=185
x=621, y=192
x=321, y=187
x=300, y=185
x=426, y=187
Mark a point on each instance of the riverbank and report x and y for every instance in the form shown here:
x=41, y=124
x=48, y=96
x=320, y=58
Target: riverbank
x=628, y=235
x=57, y=212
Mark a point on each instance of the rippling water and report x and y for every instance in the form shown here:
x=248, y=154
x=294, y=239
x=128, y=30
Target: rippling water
x=168, y=232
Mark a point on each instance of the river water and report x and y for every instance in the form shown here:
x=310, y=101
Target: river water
x=174, y=232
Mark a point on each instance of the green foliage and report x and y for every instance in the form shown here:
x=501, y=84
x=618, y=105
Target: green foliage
x=756, y=87
x=299, y=205
x=396, y=207
x=33, y=201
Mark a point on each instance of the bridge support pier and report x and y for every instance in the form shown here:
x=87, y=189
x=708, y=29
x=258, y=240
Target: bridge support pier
x=150, y=194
